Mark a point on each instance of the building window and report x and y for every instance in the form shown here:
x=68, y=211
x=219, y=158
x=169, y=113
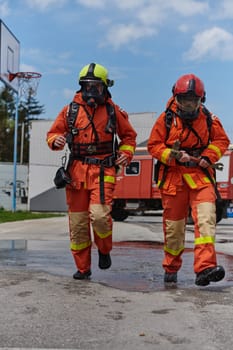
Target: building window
x=133, y=169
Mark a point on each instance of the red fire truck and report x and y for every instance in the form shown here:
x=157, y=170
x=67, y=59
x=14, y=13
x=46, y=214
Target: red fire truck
x=136, y=191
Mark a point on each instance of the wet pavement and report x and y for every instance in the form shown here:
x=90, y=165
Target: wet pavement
x=137, y=253
x=126, y=307
x=136, y=266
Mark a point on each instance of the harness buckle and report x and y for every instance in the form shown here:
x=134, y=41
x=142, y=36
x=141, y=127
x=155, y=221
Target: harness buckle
x=74, y=131
x=109, y=161
x=91, y=149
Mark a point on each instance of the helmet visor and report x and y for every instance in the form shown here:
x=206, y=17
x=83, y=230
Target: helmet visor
x=93, y=90
x=188, y=102
x=92, y=85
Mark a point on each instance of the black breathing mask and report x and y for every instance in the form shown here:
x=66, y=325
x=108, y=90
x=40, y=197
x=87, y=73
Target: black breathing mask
x=93, y=94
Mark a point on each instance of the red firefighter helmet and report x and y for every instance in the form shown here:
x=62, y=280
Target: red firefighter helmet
x=189, y=83
x=189, y=93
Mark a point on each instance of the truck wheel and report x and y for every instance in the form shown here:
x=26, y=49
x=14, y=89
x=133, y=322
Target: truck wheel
x=119, y=214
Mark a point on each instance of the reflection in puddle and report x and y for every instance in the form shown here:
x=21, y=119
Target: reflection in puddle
x=12, y=244
x=136, y=266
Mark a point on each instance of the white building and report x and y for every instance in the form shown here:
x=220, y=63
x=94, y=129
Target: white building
x=6, y=186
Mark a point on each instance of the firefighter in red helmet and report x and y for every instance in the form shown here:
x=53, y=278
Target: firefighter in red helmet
x=95, y=153
x=187, y=140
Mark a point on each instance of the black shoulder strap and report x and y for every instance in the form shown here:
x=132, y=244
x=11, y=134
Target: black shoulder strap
x=168, y=121
x=71, y=118
x=111, y=125
x=72, y=114
x=169, y=117
x=209, y=119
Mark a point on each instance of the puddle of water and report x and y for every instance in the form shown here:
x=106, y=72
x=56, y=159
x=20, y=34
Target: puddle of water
x=13, y=244
x=136, y=266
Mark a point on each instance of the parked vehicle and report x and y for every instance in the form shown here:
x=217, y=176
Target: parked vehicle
x=136, y=191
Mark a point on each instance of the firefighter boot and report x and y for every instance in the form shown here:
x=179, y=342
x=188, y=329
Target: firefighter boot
x=212, y=274
x=104, y=261
x=82, y=276
x=170, y=277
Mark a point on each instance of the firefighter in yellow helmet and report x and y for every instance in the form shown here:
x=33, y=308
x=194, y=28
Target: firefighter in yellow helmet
x=187, y=140
x=95, y=153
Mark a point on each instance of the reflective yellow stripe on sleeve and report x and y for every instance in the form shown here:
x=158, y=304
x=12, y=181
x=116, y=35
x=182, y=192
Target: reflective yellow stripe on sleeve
x=215, y=149
x=127, y=148
x=165, y=155
x=51, y=139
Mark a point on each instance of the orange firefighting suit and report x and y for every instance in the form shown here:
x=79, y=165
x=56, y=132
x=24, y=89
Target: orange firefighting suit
x=184, y=186
x=83, y=194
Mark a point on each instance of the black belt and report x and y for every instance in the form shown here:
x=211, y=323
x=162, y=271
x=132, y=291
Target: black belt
x=188, y=164
x=107, y=162
x=91, y=149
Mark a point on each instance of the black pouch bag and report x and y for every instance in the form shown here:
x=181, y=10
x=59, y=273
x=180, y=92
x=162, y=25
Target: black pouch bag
x=61, y=178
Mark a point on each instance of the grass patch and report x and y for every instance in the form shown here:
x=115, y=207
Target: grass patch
x=8, y=216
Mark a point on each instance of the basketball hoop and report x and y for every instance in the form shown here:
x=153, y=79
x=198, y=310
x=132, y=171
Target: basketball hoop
x=28, y=82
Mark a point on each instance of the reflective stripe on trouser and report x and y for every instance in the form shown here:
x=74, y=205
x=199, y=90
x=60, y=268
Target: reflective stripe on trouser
x=84, y=211
x=202, y=202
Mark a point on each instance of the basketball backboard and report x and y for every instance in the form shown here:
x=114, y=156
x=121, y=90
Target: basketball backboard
x=9, y=56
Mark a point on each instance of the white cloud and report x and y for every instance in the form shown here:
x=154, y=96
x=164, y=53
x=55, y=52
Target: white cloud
x=159, y=10
x=68, y=93
x=4, y=9
x=92, y=3
x=27, y=68
x=189, y=7
x=43, y=5
x=227, y=7
x=126, y=33
x=131, y=4
x=145, y=17
x=61, y=71
x=156, y=7
x=152, y=14
x=224, y=10
x=183, y=28
x=212, y=43
x=55, y=62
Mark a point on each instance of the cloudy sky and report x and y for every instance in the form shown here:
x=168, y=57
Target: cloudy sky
x=145, y=44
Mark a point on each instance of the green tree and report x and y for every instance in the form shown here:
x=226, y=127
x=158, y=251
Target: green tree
x=7, y=110
x=28, y=109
